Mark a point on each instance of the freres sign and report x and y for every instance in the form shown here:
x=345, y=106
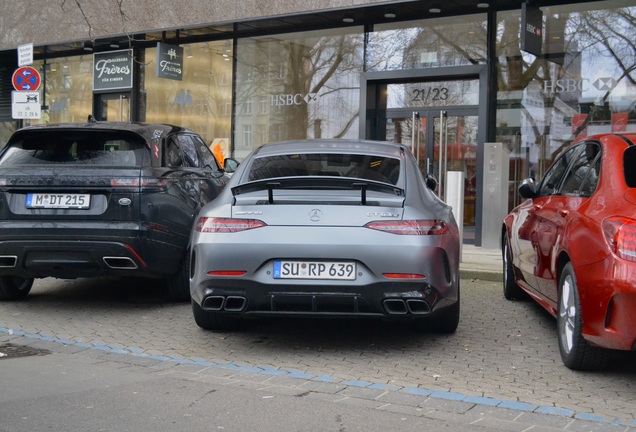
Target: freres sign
x=113, y=70
x=169, y=61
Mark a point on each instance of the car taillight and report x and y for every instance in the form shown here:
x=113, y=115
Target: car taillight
x=620, y=234
x=226, y=225
x=124, y=182
x=411, y=227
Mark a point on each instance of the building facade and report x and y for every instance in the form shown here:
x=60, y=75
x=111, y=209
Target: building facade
x=443, y=78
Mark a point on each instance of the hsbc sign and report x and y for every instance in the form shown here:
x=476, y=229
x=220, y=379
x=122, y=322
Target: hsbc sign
x=293, y=99
x=568, y=85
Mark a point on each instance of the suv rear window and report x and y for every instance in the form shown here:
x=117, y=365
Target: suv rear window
x=98, y=148
x=368, y=167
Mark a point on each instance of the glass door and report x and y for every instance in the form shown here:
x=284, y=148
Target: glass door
x=442, y=141
x=114, y=107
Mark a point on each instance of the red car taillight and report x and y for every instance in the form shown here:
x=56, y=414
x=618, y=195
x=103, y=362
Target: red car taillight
x=411, y=227
x=226, y=225
x=620, y=234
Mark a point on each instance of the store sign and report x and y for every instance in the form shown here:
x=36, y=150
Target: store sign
x=169, y=61
x=531, y=29
x=293, y=99
x=113, y=70
x=569, y=85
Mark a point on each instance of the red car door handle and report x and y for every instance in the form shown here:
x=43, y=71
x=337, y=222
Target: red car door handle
x=564, y=213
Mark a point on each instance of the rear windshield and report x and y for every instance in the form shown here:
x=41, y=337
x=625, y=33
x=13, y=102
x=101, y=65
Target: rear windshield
x=629, y=166
x=367, y=167
x=99, y=148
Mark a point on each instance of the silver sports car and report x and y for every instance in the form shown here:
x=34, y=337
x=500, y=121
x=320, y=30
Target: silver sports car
x=327, y=228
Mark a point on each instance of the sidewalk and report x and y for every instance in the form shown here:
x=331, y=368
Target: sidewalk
x=480, y=263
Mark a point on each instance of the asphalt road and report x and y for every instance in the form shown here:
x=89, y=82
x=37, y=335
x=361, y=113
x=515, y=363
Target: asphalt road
x=113, y=354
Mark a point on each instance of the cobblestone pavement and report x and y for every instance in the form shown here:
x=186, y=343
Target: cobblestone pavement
x=504, y=353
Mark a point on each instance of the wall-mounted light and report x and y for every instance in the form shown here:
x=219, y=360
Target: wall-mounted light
x=482, y=5
x=390, y=14
x=114, y=44
x=435, y=8
x=347, y=18
x=88, y=46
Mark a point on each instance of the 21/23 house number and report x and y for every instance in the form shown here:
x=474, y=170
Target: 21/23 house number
x=430, y=94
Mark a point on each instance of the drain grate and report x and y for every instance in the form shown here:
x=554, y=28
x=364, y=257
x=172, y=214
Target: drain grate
x=12, y=351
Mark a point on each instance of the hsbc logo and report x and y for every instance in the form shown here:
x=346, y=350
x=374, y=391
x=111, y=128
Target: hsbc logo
x=568, y=85
x=293, y=99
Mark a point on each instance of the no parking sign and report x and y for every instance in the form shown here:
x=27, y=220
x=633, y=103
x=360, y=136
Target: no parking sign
x=26, y=78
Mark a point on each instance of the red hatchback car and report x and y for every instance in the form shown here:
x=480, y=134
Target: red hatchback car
x=571, y=246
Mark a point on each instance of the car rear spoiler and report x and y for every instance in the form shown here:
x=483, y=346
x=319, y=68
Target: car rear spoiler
x=317, y=183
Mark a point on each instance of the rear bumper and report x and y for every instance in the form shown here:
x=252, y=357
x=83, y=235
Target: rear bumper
x=88, y=250
x=608, y=301
x=257, y=292
x=386, y=299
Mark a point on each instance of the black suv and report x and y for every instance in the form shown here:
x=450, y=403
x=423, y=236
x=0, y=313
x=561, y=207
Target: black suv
x=101, y=199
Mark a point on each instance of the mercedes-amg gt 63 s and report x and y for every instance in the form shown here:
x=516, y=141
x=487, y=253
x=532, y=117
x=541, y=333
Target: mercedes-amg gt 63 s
x=101, y=199
x=327, y=228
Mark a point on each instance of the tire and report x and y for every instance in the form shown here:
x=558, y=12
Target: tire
x=15, y=288
x=446, y=321
x=576, y=353
x=208, y=320
x=178, y=285
x=511, y=290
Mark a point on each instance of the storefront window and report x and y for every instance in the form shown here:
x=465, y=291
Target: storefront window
x=200, y=100
x=297, y=86
x=6, y=130
x=66, y=89
x=582, y=84
x=451, y=41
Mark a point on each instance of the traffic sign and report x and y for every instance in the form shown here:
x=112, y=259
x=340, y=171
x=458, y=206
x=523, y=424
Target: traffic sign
x=25, y=105
x=26, y=79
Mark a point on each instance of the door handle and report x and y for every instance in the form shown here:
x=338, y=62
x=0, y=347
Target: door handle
x=537, y=206
x=564, y=213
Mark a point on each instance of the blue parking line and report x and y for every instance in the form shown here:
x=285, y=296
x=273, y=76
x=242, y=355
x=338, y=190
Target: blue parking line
x=268, y=370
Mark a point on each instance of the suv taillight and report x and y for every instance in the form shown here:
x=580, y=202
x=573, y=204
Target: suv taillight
x=411, y=227
x=620, y=234
x=226, y=225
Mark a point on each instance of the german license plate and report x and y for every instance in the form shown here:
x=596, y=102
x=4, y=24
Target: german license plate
x=58, y=201
x=342, y=270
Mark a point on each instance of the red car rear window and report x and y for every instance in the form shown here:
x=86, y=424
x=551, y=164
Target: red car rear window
x=629, y=166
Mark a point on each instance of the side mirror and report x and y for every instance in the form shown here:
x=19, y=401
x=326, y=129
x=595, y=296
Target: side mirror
x=230, y=165
x=431, y=182
x=528, y=188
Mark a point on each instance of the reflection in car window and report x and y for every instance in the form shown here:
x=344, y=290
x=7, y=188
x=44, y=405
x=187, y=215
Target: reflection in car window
x=99, y=148
x=582, y=176
x=173, y=155
x=367, y=167
x=207, y=158
x=187, y=146
x=555, y=174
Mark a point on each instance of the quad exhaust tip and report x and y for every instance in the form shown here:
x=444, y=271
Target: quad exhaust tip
x=408, y=306
x=225, y=303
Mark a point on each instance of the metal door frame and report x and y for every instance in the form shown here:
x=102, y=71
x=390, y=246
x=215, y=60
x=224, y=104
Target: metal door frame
x=373, y=109
x=100, y=98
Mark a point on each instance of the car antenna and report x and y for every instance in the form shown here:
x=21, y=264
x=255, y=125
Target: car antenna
x=91, y=119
